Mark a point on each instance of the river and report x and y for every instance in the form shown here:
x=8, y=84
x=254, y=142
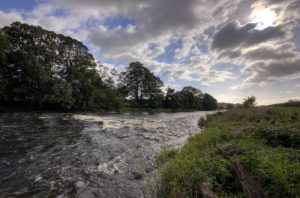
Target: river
x=86, y=155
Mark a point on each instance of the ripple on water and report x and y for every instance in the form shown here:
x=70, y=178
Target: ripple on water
x=65, y=155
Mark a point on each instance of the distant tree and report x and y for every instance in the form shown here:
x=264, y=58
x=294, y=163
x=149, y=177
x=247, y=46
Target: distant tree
x=293, y=100
x=188, y=98
x=230, y=106
x=209, y=102
x=191, y=98
x=194, y=91
x=249, y=102
x=141, y=83
x=169, y=98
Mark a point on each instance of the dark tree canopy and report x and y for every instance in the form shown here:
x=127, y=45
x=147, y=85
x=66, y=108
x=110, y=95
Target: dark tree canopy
x=209, y=102
x=141, y=83
x=189, y=98
x=169, y=98
x=42, y=68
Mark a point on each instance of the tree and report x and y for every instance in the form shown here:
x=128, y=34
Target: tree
x=4, y=48
x=194, y=91
x=230, y=106
x=249, y=102
x=45, y=69
x=141, y=83
x=209, y=102
x=191, y=98
x=169, y=98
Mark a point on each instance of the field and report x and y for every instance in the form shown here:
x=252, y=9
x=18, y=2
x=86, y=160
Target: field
x=240, y=153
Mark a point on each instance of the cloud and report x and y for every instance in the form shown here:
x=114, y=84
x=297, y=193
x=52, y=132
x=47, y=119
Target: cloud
x=196, y=69
x=152, y=27
x=234, y=35
x=147, y=29
x=9, y=17
x=266, y=55
x=271, y=52
x=274, y=70
x=285, y=66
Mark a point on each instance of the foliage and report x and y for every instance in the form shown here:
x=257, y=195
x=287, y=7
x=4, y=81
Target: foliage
x=141, y=83
x=209, y=102
x=249, y=102
x=165, y=155
x=261, y=144
x=4, y=48
x=290, y=103
x=169, y=98
x=43, y=69
x=224, y=105
x=189, y=98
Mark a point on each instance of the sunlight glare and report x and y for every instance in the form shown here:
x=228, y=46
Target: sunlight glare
x=263, y=17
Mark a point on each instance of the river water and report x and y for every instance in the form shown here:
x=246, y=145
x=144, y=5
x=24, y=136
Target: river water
x=86, y=155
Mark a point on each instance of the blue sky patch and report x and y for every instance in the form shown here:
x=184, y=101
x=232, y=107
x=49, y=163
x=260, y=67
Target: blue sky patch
x=112, y=22
x=168, y=56
x=9, y=5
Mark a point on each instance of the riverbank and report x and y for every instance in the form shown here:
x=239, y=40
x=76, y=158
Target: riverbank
x=16, y=109
x=240, y=153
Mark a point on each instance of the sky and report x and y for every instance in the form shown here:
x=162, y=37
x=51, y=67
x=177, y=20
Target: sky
x=231, y=49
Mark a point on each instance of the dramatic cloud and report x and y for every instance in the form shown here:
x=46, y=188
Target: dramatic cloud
x=233, y=35
x=267, y=54
x=262, y=72
x=239, y=43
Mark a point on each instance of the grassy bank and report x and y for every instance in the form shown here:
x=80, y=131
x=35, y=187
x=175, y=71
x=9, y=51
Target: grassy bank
x=240, y=153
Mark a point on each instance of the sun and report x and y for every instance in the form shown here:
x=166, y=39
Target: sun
x=264, y=18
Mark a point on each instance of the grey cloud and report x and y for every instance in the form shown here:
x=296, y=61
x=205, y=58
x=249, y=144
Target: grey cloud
x=267, y=55
x=154, y=19
x=284, y=51
x=268, y=71
x=214, y=76
x=152, y=22
x=157, y=21
x=231, y=54
x=293, y=10
x=233, y=35
x=294, y=6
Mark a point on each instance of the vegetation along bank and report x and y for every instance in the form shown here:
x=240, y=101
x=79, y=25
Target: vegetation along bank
x=252, y=152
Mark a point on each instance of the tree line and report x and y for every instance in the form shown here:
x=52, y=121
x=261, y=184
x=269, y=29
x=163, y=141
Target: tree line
x=44, y=70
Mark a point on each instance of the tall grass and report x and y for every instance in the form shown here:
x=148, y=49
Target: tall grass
x=240, y=153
